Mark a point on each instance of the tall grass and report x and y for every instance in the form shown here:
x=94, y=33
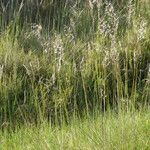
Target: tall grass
x=61, y=60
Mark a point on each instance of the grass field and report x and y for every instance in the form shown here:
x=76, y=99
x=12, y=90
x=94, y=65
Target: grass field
x=74, y=75
x=130, y=131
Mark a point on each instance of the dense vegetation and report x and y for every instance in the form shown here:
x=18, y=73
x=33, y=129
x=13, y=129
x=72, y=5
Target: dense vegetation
x=74, y=74
x=123, y=132
x=59, y=59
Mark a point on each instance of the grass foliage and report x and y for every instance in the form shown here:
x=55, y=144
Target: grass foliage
x=123, y=132
x=59, y=60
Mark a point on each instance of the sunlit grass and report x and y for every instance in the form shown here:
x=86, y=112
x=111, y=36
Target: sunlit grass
x=124, y=131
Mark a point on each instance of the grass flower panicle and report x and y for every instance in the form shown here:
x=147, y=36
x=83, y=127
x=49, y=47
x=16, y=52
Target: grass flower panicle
x=58, y=51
